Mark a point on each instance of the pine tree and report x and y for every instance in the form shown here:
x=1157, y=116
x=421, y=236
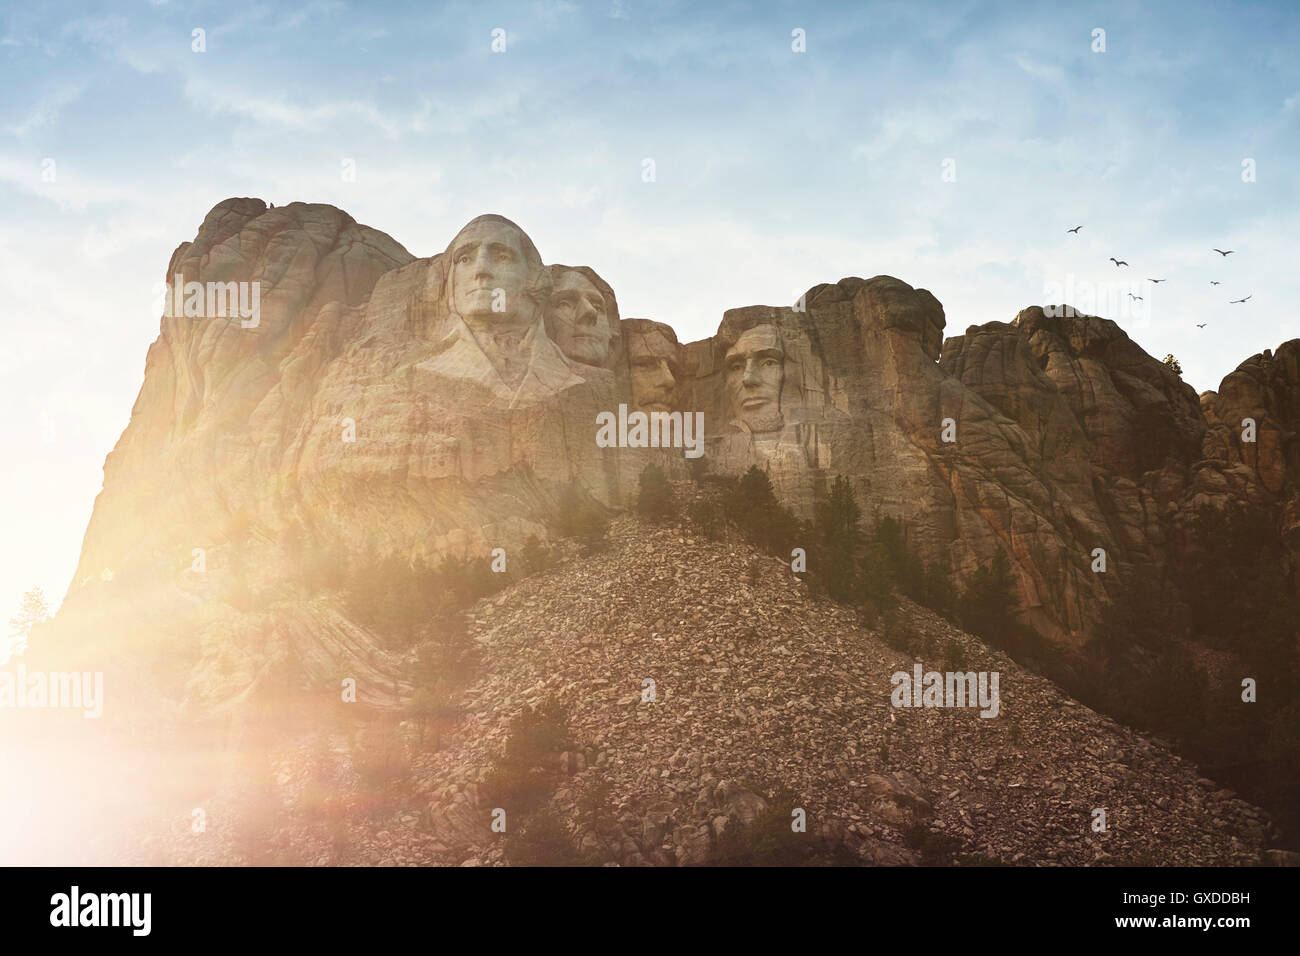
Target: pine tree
x=878, y=578
x=989, y=600
x=592, y=528
x=656, y=498
x=937, y=592
x=838, y=532
x=31, y=612
x=535, y=555
x=752, y=502
x=755, y=491
x=838, y=516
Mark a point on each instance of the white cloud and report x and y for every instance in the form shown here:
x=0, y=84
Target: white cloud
x=46, y=111
x=71, y=189
x=1042, y=71
x=117, y=38
x=279, y=109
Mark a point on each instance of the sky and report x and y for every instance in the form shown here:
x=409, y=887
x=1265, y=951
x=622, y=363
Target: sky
x=948, y=144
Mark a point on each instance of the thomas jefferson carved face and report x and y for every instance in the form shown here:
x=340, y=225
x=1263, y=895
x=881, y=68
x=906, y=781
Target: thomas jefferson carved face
x=755, y=371
x=490, y=269
x=653, y=364
x=577, y=320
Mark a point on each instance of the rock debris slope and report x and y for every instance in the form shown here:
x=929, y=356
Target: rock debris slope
x=759, y=685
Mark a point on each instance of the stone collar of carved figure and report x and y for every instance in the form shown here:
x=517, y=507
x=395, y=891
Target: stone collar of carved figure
x=755, y=368
x=458, y=355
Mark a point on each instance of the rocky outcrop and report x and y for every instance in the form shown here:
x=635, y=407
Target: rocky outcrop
x=442, y=406
x=1265, y=473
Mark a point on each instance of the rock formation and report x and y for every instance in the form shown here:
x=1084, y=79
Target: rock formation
x=443, y=406
x=422, y=409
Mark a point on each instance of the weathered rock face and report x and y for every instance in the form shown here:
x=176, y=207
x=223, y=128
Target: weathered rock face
x=440, y=406
x=1265, y=390
x=220, y=402
x=1102, y=437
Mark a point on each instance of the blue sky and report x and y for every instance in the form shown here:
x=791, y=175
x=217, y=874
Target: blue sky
x=774, y=170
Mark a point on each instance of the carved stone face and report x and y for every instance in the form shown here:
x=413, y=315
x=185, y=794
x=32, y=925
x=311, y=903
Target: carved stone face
x=489, y=267
x=652, y=358
x=755, y=371
x=577, y=320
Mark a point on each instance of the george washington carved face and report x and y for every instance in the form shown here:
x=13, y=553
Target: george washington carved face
x=755, y=373
x=492, y=266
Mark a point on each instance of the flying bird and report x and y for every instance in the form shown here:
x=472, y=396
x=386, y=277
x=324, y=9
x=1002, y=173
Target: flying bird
x=1075, y=229
x=1132, y=296
x=1118, y=262
x=1200, y=325
x=1239, y=301
x=1222, y=253
x=1212, y=282
x=1156, y=281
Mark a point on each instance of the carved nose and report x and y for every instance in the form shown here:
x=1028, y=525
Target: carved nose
x=586, y=314
x=751, y=374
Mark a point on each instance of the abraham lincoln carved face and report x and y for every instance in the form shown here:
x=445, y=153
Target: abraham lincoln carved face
x=755, y=372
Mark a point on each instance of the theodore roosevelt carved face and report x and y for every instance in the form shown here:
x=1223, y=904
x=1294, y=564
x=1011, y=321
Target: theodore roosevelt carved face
x=654, y=365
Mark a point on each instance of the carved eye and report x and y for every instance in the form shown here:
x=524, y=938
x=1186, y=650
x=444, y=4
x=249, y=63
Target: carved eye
x=462, y=259
x=770, y=362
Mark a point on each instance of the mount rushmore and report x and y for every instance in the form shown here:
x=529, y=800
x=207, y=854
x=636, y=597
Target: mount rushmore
x=442, y=405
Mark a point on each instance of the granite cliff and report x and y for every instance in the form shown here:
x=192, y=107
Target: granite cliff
x=442, y=406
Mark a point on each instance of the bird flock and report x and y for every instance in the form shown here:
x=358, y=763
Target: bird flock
x=1120, y=263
